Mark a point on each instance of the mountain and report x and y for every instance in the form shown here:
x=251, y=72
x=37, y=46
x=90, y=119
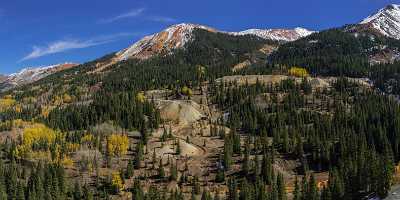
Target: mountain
x=285, y=35
x=349, y=49
x=173, y=37
x=2, y=77
x=31, y=74
x=177, y=36
x=386, y=21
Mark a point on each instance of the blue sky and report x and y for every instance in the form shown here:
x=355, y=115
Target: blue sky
x=44, y=32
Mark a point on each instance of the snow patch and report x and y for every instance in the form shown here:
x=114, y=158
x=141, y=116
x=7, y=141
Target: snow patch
x=286, y=35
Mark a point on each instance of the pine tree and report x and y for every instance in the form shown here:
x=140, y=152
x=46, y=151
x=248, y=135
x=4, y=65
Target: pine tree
x=267, y=169
x=20, y=192
x=88, y=194
x=174, y=171
x=154, y=160
x=139, y=155
x=129, y=170
x=304, y=188
x=257, y=169
x=3, y=192
x=245, y=193
x=281, y=187
x=285, y=141
x=246, y=162
x=137, y=192
x=77, y=193
x=205, y=195
x=312, y=192
x=161, y=172
x=220, y=177
x=326, y=194
x=196, y=185
x=178, y=147
x=299, y=146
x=296, y=192
x=164, y=136
x=228, y=151
x=232, y=190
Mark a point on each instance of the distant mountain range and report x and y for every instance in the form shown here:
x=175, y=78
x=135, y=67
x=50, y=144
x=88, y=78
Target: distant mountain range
x=32, y=74
x=177, y=36
x=384, y=23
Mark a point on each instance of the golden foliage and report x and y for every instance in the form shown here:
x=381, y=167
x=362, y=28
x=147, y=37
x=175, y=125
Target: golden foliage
x=72, y=147
x=298, y=71
x=67, y=162
x=88, y=140
x=57, y=100
x=201, y=70
x=6, y=103
x=117, y=181
x=29, y=100
x=36, y=133
x=46, y=111
x=186, y=91
x=117, y=144
x=18, y=108
x=19, y=123
x=140, y=97
x=67, y=98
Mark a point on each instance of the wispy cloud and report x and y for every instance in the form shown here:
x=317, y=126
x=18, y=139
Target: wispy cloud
x=69, y=44
x=138, y=13
x=162, y=19
x=133, y=13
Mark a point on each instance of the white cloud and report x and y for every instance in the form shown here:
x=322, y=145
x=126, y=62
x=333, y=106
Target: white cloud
x=69, y=44
x=162, y=19
x=132, y=13
x=139, y=12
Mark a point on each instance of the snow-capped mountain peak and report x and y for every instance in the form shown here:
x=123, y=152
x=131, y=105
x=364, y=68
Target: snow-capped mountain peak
x=173, y=37
x=386, y=21
x=32, y=74
x=176, y=36
x=285, y=35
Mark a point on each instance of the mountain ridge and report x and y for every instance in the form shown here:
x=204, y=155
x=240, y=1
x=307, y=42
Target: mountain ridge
x=31, y=74
x=385, y=21
x=176, y=36
x=286, y=35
